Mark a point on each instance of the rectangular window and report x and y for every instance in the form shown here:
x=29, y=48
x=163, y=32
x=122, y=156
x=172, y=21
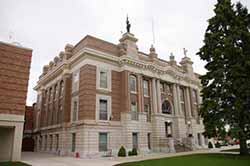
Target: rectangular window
x=146, y=108
x=166, y=129
x=103, y=112
x=103, y=79
x=134, y=113
x=135, y=140
x=149, y=140
x=74, y=113
x=73, y=147
x=103, y=142
x=145, y=88
x=132, y=83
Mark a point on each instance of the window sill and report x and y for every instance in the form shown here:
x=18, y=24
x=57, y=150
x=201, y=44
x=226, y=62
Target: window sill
x=133, y=92
x=104, y=89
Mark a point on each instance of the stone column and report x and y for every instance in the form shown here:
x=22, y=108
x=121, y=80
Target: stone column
x=154, y=95
x=158, y=96
x=140, y=94
x=17, y=142
x=176, y=101
x=188, y=104
x=179, y=100
x=203, y=141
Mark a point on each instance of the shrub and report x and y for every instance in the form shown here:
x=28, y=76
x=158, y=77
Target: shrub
x=217, y=145
x=122, y=152
x=134, y=152
x=210, y=145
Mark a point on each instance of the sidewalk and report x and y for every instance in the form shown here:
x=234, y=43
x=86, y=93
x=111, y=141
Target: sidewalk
x=44, y=159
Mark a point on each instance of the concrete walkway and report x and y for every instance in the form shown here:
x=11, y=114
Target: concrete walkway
x=45, y=159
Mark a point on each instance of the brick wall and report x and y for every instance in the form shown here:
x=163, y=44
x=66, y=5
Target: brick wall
x=14, y=76
x=116, y=95
x=28, y=125
x=87, y=92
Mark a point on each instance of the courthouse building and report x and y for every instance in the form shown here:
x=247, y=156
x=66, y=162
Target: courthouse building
x=14, y=75
x=96, y=96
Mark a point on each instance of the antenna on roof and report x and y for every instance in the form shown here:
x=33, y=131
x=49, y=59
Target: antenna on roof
x=153, y=32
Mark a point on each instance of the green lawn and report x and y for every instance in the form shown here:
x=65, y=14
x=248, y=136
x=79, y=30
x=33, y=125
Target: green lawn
x=233, y=150
x=13, y=164
x=196, y=160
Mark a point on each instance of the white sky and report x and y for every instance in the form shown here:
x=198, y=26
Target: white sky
x=47, y=26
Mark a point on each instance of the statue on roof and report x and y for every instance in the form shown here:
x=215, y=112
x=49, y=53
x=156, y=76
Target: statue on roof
x=128, y=25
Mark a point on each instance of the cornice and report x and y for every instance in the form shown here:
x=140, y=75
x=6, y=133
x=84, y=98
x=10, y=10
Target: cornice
x=66, y=66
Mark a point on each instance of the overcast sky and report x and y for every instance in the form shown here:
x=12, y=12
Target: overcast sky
x=47, y=26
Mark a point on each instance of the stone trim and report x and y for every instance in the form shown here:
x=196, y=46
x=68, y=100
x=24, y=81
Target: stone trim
x=11, y=118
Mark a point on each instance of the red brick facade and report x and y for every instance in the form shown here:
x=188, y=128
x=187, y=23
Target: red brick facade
x=14, y=75
x=28, y=124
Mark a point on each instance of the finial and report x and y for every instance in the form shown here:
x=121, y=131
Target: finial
x=185, y=52
x=128, y=25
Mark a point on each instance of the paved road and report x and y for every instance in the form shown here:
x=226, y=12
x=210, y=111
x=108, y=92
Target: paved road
x=45, y=159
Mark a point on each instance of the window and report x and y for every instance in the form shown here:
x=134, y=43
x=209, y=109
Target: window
x=166, y=107
x=133, y=106
x=149, y=140
x=168, y=129
x=103, y=79
x=75, y=84
x=132, y=83
x=145, y=88
x=103, y=142
x=135, y=140
x=134, y=114
x=73, y=147
x=103, y=109
x=146, y=108
x=74, y=109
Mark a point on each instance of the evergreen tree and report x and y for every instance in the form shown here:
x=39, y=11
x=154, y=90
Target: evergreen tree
x=226, y=85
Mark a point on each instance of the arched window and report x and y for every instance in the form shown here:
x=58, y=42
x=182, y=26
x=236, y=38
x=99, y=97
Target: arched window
x=166, y=107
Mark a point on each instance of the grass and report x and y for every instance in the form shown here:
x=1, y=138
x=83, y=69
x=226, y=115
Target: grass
x=196, y=160
x=233, y=150
x=13, y=164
